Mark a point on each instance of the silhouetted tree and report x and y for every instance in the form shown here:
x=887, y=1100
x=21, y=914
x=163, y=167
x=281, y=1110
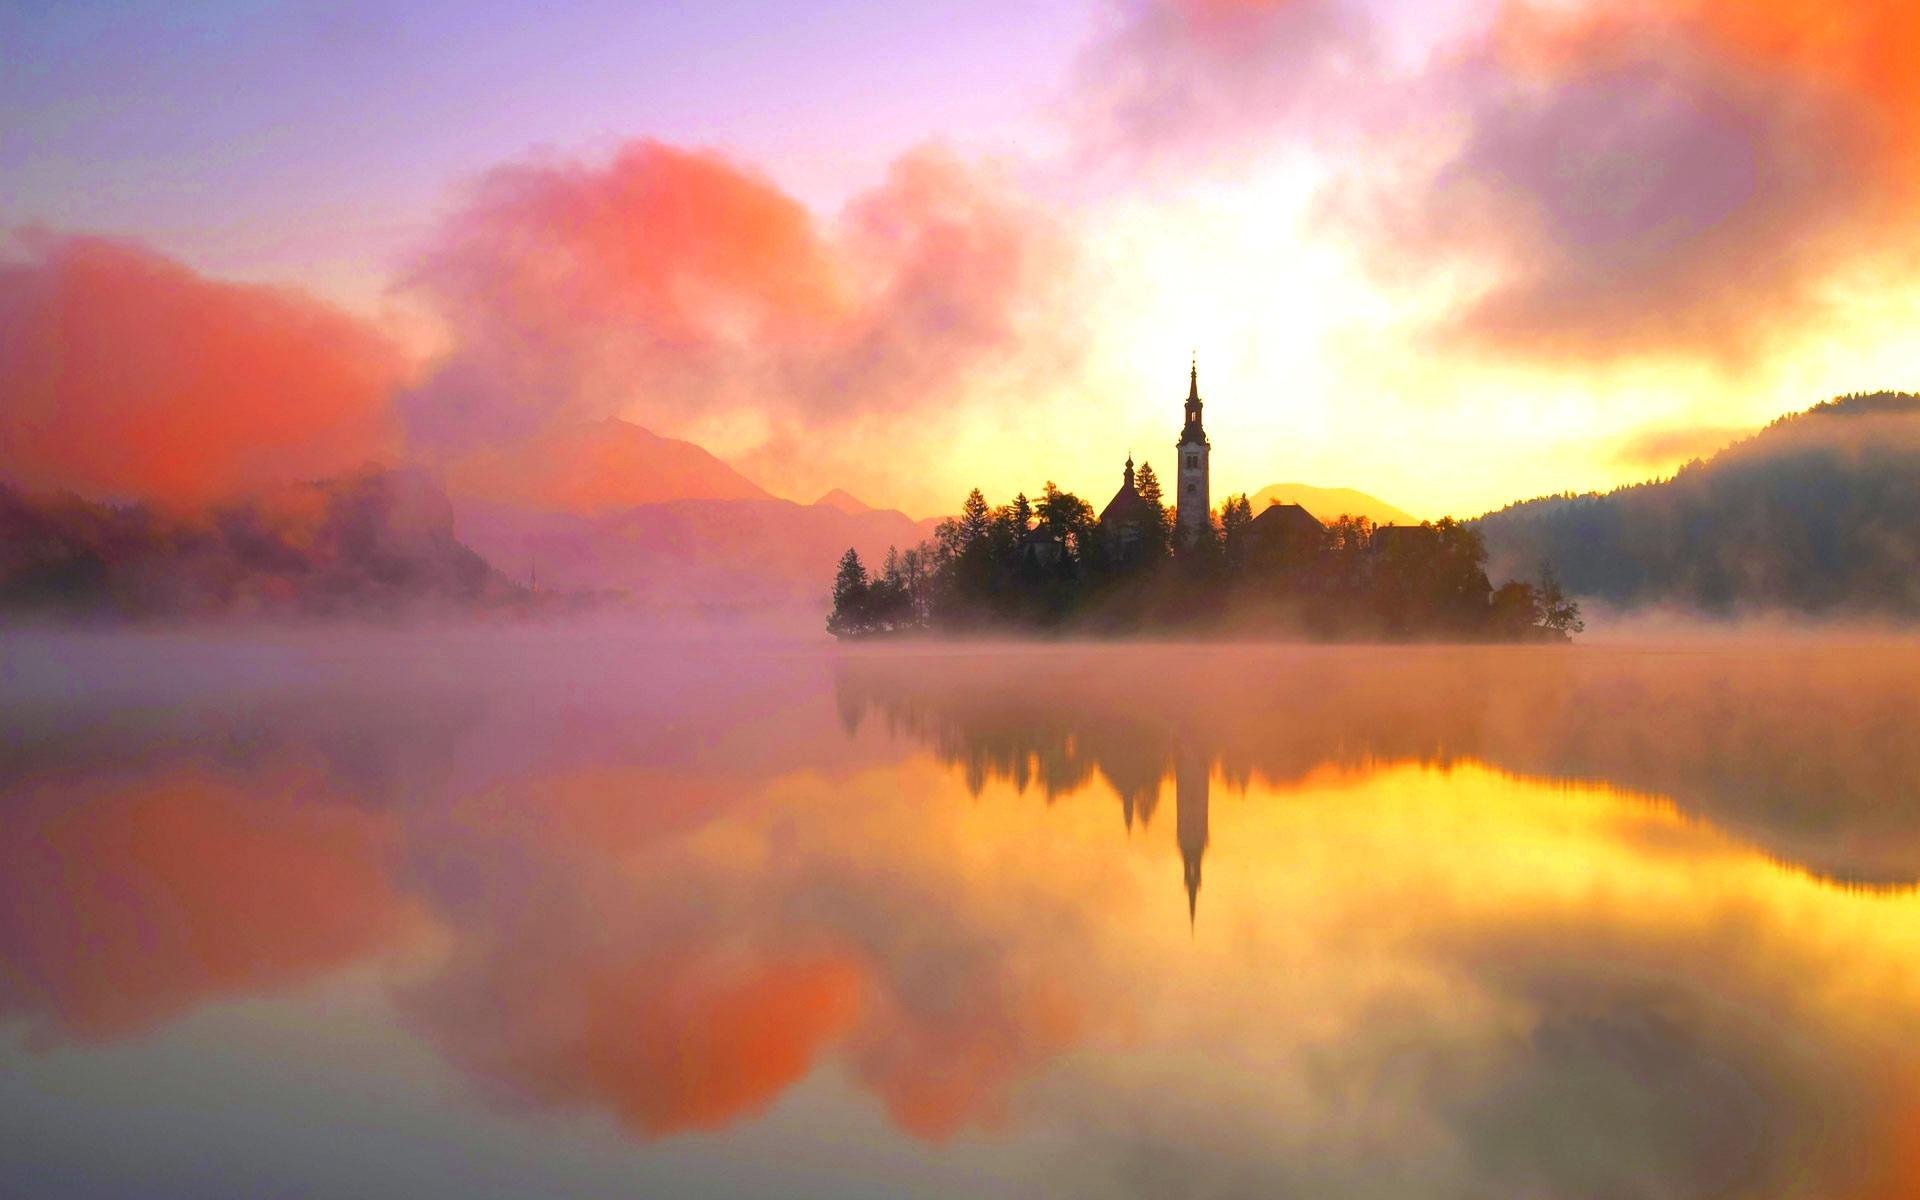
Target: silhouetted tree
x=1235, y=516
x=1148, y=485
x=849, y=616
x=1025, y=565
x=975, y=520
x=1557, y=614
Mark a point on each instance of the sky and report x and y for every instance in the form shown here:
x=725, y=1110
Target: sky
x=1452, y=254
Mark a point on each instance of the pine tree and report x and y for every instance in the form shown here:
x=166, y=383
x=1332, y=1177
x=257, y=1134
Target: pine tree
x=1235, y=517
x=1147, y=484
x=975, y=521
x=849, y=616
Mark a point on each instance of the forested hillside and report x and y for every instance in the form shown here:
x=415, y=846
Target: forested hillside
x=1817, y=513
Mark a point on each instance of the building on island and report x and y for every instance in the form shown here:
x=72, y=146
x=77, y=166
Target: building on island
x=1285, y=533
x=1282, y=536
x=1193, y=501
x=1129, y=520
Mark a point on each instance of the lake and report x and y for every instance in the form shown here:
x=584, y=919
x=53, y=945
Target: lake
x=588, y=912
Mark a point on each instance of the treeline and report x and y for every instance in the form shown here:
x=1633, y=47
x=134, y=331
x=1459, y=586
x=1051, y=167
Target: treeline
x=1818, y=513
x=1051, y=566
x=374, y=542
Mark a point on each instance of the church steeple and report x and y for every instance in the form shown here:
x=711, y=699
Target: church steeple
x=1193, y=432
x=1193, y=501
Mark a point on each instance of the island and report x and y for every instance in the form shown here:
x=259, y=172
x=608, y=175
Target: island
x=1143, y=567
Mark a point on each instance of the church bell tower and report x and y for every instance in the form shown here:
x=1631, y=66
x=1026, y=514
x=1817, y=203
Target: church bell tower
x=1193, y=502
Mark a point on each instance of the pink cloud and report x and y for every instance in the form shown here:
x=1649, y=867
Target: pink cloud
x=123, y=373
x=686, y=292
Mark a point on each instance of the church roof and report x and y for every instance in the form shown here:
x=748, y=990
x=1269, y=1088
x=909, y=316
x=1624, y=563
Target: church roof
x=1289, y=517
x=1127, y=503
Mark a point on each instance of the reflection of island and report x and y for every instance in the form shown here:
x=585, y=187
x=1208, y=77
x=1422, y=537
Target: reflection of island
x=659, y=887
x=1801, y=751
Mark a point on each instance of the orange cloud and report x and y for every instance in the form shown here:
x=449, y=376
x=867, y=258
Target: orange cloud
x=682, y=247
x=123, y=903
x=124, y=374
x=689, y=294
x=1662, y=177
x=1661, y=449
x=941, y=1067
x=670, y=1046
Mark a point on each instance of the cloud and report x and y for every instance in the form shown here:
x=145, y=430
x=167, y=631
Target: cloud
x=688, y=293
x=124, y=374
x=1667, y=177
x=1176, y=82
x=1583, y=181
x=127, y=901
x=1661, y=449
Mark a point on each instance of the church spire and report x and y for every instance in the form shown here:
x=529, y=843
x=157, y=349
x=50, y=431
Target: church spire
x=1193, y=379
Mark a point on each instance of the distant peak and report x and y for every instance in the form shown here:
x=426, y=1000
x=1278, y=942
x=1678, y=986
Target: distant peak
x=845, y=501
x=1330, y=503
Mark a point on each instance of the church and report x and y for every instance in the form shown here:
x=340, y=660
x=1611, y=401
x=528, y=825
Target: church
x=1283, y=530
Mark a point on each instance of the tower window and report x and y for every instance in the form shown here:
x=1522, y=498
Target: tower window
x=1193, y=460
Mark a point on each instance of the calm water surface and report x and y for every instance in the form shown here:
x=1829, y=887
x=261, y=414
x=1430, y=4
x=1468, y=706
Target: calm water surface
x=588, y=914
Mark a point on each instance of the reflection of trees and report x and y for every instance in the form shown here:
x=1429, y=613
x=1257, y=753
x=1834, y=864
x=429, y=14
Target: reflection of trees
x=1803, y=750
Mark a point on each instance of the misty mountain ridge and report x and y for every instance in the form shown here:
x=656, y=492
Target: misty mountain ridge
x=1330, y=504
x=595, y=467
x=1818, y=513
x=843, y=500
x=692, y=558
x=378, y=541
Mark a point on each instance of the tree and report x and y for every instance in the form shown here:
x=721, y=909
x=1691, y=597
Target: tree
x=1022, y=513
x=1513, y=613
x=984, y=569
x=1559, y=614
x=850, y=587
x=975, y=522
x=1068, y=518
x=1235, y=519
x=1147, y=484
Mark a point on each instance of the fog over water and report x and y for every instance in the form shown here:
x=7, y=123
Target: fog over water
x=579, y=911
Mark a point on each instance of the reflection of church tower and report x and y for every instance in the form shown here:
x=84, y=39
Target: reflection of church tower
x=1193, y=502
x=1190, y=784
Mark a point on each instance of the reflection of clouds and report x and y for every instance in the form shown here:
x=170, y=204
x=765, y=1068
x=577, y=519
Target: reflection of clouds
x=670, y=901
x=687, y=979
x=124, y=901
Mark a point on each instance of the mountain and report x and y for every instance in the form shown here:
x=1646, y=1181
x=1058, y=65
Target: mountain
x=595, y=467
x=1329, y=504
x=377, y=541
x=844, y=501
x=1817, y=513
x=758, y=558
